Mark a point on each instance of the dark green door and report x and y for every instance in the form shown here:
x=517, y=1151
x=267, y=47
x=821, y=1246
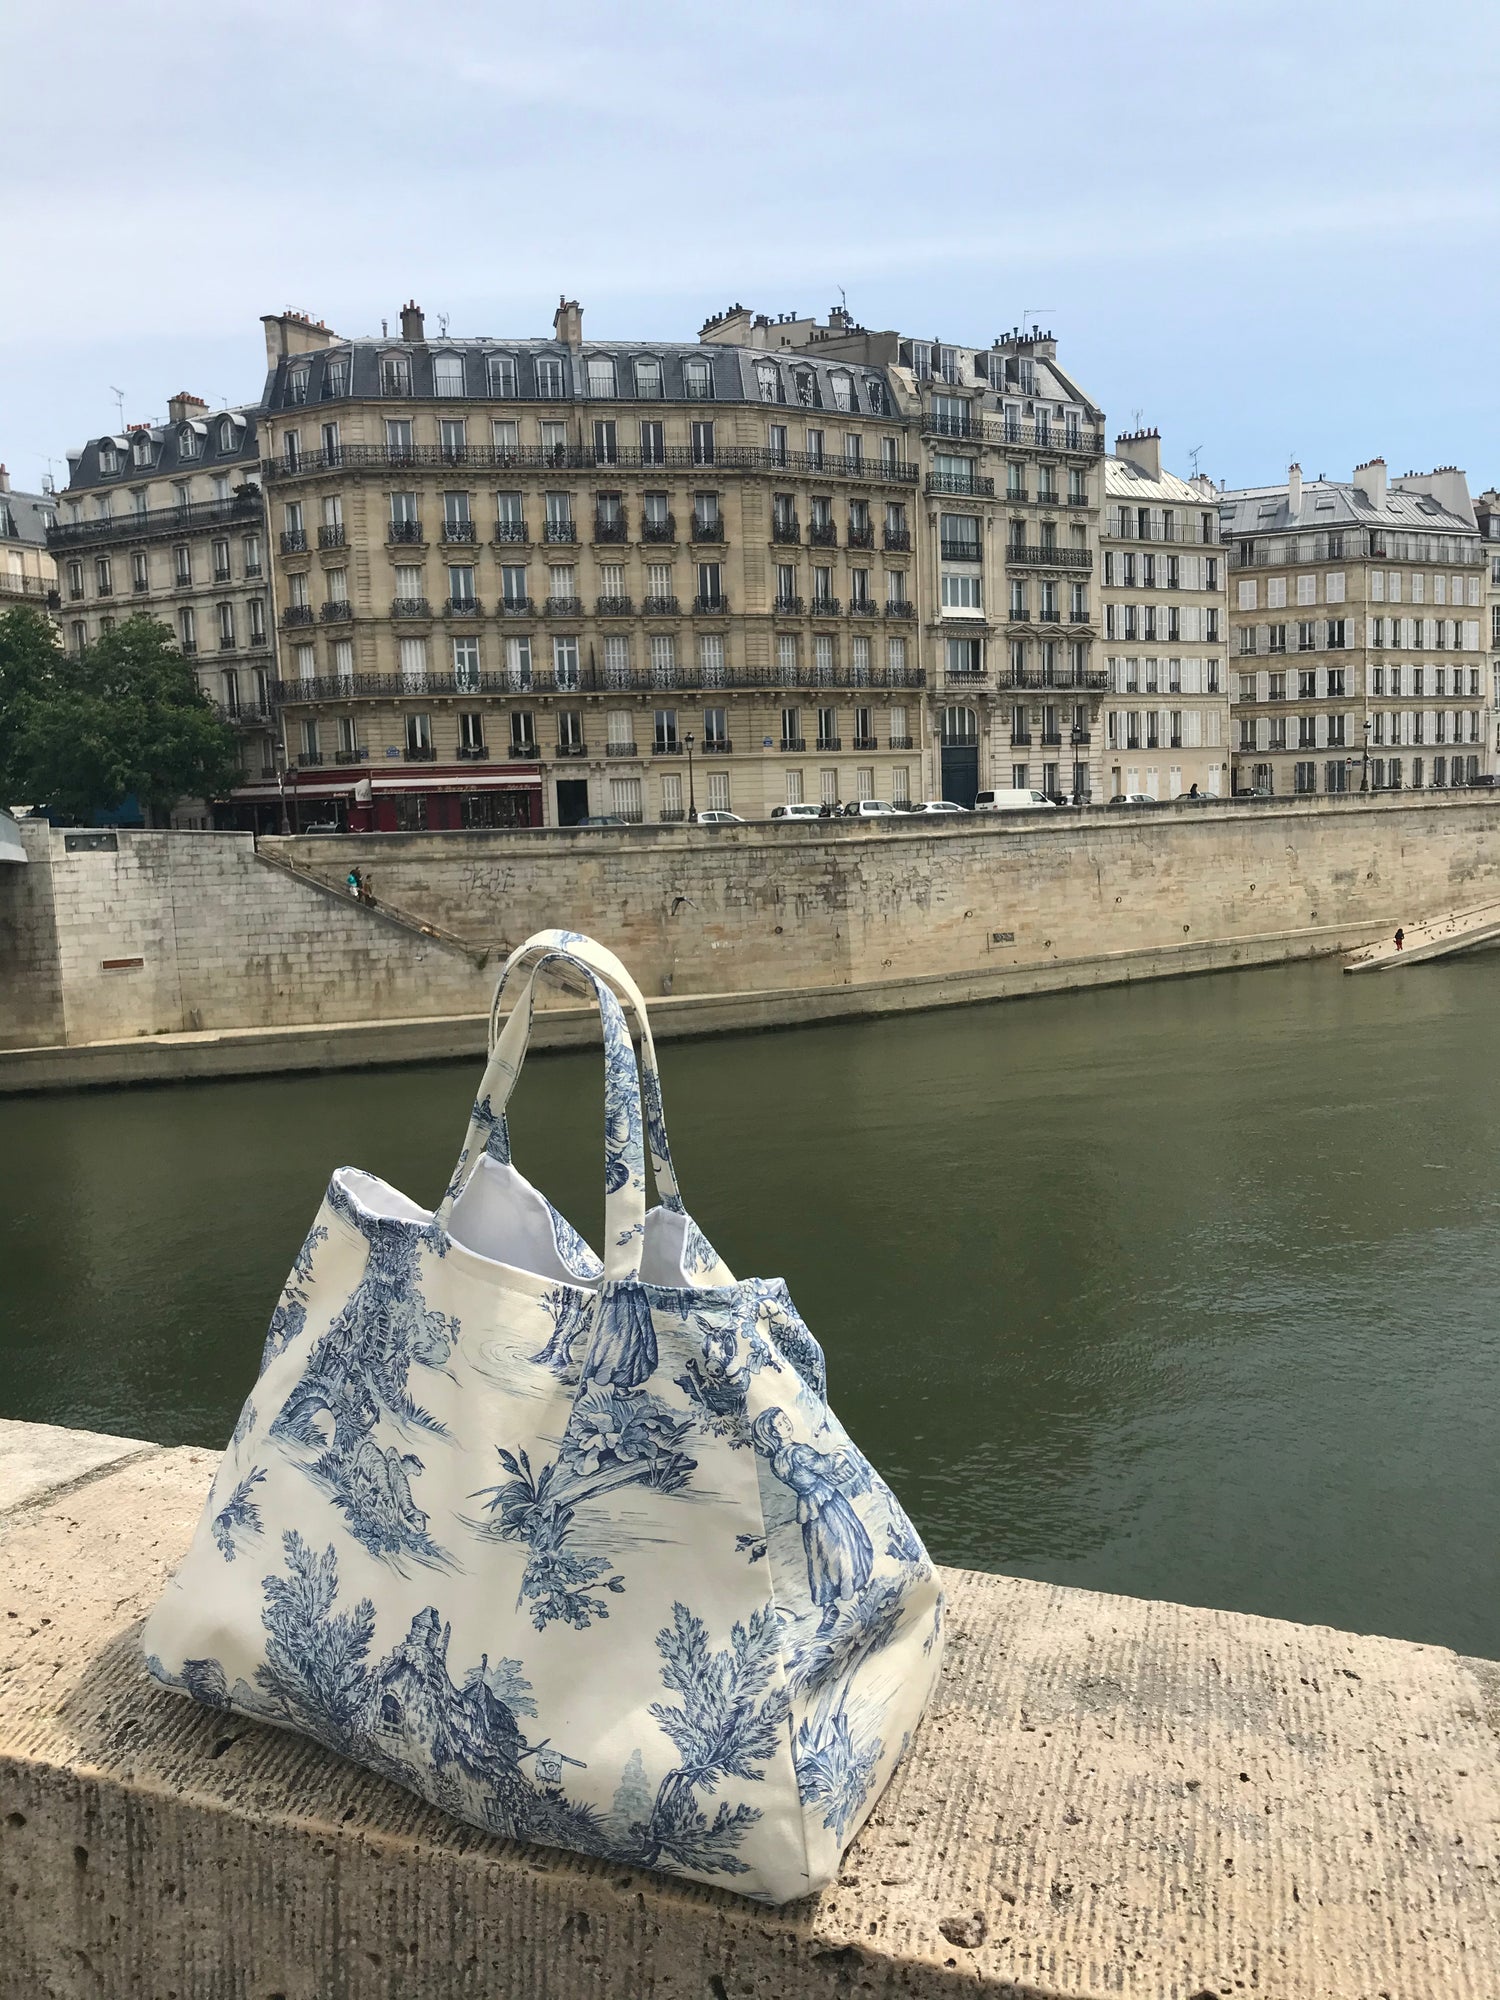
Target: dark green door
x=961, y=773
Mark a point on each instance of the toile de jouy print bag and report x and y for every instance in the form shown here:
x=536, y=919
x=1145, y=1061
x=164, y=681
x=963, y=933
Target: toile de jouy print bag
x=573, y=1547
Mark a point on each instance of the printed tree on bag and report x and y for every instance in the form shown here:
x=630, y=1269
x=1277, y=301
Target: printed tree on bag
x=240, y=1514
x=315, y=1671
x=726, y=1726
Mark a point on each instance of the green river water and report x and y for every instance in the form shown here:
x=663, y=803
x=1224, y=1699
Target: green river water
x=1187, y=1290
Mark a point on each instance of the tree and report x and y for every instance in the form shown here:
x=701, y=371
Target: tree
x=28, y=654
x=84, y=731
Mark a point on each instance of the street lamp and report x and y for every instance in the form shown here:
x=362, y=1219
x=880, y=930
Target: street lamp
x=286, y=825
x=1075, y=738
x=692, y=802
x=1364, y=776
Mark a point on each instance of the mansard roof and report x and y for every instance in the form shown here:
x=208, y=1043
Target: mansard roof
x=168, y=449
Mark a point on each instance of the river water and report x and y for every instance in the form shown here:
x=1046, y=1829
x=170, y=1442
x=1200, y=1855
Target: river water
x=1187, y=1290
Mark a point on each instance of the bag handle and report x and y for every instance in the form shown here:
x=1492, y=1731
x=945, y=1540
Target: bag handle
x=588, y=957
x=624, y=1154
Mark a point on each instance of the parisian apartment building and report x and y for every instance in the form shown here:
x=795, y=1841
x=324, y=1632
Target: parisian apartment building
x=1163, y=587
x=168, y=519
x=1487, y=514
x=28, y=573
x=1009, y=452
x=1359, y=648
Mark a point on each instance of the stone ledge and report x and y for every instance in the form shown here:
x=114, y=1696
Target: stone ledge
x=1110, y=1797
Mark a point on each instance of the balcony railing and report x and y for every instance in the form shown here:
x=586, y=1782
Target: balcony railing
x=970, y=486
x=614, y=529
x=222, y=574
x=35, y=586
x=667, y=746
x=620, y=750
x=663, y=529
x=716, y=606
x=900, y=607
x=297, y=614
x=517, y=607
x=861, y=537
x=410, y=607
x=788, y=607
x=406, y=532
x=898, y=538
x=1017, y=496
x=825, y=607
x=823, y=534
x=1094, y=680
x=732, y=458
x=459, y=531
x=511, y=531
x=559, y=531
x=420, y=753
x=336, y=610
x=659, y=607
x=1027, y=555
x=901, y=743
x=614, y=607
x=331, y=538
x=786, y=530
x=794, y=743
x=563, y=607
x=596, y=680
x=830, y=743
x=226, y=642
x=156, y=521
x=569, y=750
x=463, y=607
x=866, y=743
x=351, y=756
x=293, y=541
x=952, y=427
x=718, y=746
x=863, y=607
x=708, y=528
x=954, y=550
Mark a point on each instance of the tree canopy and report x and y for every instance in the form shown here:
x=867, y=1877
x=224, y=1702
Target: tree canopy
x=80, y=732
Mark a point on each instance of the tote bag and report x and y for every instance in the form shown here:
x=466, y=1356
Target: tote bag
x=572, y=1546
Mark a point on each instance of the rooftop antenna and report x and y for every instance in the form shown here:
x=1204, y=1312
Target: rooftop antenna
x=843, y=299
x=1135, y=419
x=442, y=320
x=119, y=396
x=1193, y=455
x=1027, y=311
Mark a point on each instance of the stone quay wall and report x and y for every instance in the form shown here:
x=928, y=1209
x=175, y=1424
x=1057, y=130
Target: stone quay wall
x=149, y=934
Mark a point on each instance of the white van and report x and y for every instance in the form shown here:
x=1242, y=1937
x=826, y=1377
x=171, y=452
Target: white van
x=1012, y=802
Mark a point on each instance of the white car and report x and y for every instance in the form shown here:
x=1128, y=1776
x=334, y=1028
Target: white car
x=869, y=809
x=939, y=806
x=803, y=811
x=1134, y=799
x=719, y=819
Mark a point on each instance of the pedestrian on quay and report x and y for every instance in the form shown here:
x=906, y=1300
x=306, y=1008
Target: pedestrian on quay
x=1400, y=937
x=353, y=883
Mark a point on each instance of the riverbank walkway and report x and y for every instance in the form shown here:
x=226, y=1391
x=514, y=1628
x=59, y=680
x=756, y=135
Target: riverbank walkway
x=1109, y=1798
x=1459, y=930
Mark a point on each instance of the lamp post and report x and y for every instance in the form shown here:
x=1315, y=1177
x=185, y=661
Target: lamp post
x=1075, y=739
x=286, y=825
x=692, y=802
x=1364, y=775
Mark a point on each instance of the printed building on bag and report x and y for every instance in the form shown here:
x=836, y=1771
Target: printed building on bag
x=28, y=575
x=168, y=520
x=1010, y=454
x=526, y=582
x=1166, y=717
x=1357, y=610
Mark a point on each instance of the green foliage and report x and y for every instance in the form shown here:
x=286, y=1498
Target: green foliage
x=82, y=731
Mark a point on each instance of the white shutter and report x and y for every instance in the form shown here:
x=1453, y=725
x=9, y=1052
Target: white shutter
x=1471, y=635
x=1377, y=586
x=1247, y=593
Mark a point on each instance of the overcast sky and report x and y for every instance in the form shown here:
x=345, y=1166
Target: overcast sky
x=1265, y=228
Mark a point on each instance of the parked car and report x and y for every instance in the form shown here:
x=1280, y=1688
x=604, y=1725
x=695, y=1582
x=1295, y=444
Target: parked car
x=719, y=819
x=1010, y=802
x=1253, y=792
x=937, y=806
x=1134, y=799
x=803, y=811
x=321, y=826
x=869, y=809
x=603, y=819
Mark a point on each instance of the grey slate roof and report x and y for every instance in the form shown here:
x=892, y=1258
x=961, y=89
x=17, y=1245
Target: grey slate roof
x=25, y=517
x=166, y=450
x=735, y=377
x=1124, y=480
x=1332, y=503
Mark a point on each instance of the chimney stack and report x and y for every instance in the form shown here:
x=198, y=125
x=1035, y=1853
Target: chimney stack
x=4, y=480
x=1370, y=478
x=567, y=323
x=1294, y=491
x=1142, y=449
x=182, y=406
x=293, y=333
x=413, y=326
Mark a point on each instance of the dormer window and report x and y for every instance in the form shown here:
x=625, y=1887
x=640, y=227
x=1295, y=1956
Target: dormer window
x=188, y=443
x=296, y=384
x=806, y=387
x=550, y=381
x=501, y=373
x=766, y=381
x=109, y=458
x=226, y=434
x=875, y=393
x=647, y=376
x=140, y=447
x=843, y=391
x=447, y=375
x=697, y=379
x=336, y=375
x=601, y=370
x=395, y=375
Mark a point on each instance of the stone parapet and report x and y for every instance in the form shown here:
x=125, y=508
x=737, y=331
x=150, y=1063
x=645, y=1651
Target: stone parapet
x=1109, y=1797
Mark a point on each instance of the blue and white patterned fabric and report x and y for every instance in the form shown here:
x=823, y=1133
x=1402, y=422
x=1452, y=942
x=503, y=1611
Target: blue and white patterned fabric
x=571, y=1546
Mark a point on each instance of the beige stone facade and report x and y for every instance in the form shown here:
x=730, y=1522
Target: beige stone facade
x=1359, y=639
x=528, y=582
x=1487, y=514
x=28, y=575
x=1166, y=717
x=1010, y=457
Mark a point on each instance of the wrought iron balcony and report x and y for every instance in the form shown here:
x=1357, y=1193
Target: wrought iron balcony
x=667, y=746
x=560, y=531
x=459, y=531
x=252, y=571
x=310, y=760
x=258, y=638
x=715, y=606
x=952, y=427
x=409, y=532
x=245, y=714
x=787, y=529
x=523, y=751
x=569, y=750
x=662, y=530
x=330, y=538
x=155, y=521
x=718, y=746
x=788, y=607
x=861, y=538
x=376, y=458
x=463, y=607
x=351, y=756
x=336, y=610
x=226, y=642
x=546, y=681
x=708, y=527
x=511, y=531
x=863, y=607
x=293, y=541
x=139, y=583
x=410, y=607
x=613, y=607
x=1023, y=555
x=898, y=538
x=901, y=743
x=563, y=607
x=659, y=607
x=1017, y=496
x=823, y=534
x=420, y=753
x=830, y=743
x=825, y=607
x=1093, y=680
x=611, y=528
x=900, y=607
x=516, y=607
x=222, y=574
x=297, y=614
x=191, y=645
x=794, y=743
x=620, y=750
x=969, y=485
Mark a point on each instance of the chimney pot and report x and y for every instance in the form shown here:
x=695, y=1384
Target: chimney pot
x=413, y=326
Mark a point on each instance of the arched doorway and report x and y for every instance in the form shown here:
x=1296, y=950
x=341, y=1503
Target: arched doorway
x=959, y=738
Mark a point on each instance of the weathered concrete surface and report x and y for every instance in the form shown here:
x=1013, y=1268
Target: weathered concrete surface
x=44, y=1458
x=370, y=1044
x=1110, y=1798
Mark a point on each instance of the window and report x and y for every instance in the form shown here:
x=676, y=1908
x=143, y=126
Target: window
x=664, y=723
x=565, y=662
x=647, y=370
x=500, y=371
x=828, y=729
x=398, y=438
x=550, y=379
x=703, y=443
x=776, y=443
x=815, y=450
x=601, y=375
x=460, y=585
x=791, y=729
x=961, y=591
x=766, y=381
x=419, y=736
x=965, y=659
x=653, y=444
x=697, y=379
x=395, y=375
x=466, y=664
